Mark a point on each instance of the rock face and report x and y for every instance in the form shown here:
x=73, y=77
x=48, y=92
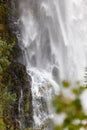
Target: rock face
x=19, y=83
x=21, y=114
x=22, y=108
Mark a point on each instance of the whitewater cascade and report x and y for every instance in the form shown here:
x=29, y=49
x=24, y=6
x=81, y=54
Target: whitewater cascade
x=53, y=40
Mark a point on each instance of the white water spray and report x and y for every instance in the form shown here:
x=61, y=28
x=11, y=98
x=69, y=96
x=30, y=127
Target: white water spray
x=53, y=35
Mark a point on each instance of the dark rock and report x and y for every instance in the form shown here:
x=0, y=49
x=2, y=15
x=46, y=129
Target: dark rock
x=21, y=81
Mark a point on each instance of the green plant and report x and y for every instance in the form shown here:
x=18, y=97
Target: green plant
x=72, y=108
x=6, y=97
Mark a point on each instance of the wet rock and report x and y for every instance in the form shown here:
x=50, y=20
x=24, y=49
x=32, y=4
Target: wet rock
x=21, y=81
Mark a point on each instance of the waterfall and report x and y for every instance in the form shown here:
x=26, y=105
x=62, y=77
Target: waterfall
x=20, y=109
x=53, y=40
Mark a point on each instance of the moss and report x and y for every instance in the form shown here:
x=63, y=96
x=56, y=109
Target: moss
x=28, y=129
x=18, y=73
x=58, y=128
x=2, y=13
x=65, y=84
x=2, y=125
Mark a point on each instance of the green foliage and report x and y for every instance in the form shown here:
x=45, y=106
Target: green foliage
x=65, y=84
x=2, y=11
x=71, y=107
x=6, y=98
x=78, y=91
x=5, y=60
x=6, y=9
x=58, y=127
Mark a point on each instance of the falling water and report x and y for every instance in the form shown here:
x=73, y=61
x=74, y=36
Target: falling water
x=53, y=40
x=20, y=109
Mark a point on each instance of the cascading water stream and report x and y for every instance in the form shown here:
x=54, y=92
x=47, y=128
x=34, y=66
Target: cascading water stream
x=53, y=40
x=20, y=109
x=43, y=91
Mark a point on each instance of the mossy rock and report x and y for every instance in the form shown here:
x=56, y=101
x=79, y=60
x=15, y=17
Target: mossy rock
x=18, y=73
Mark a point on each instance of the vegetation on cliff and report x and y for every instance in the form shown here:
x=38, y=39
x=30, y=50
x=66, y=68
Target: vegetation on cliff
x=6, y=46
x=13, y=77
x=5, y=81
